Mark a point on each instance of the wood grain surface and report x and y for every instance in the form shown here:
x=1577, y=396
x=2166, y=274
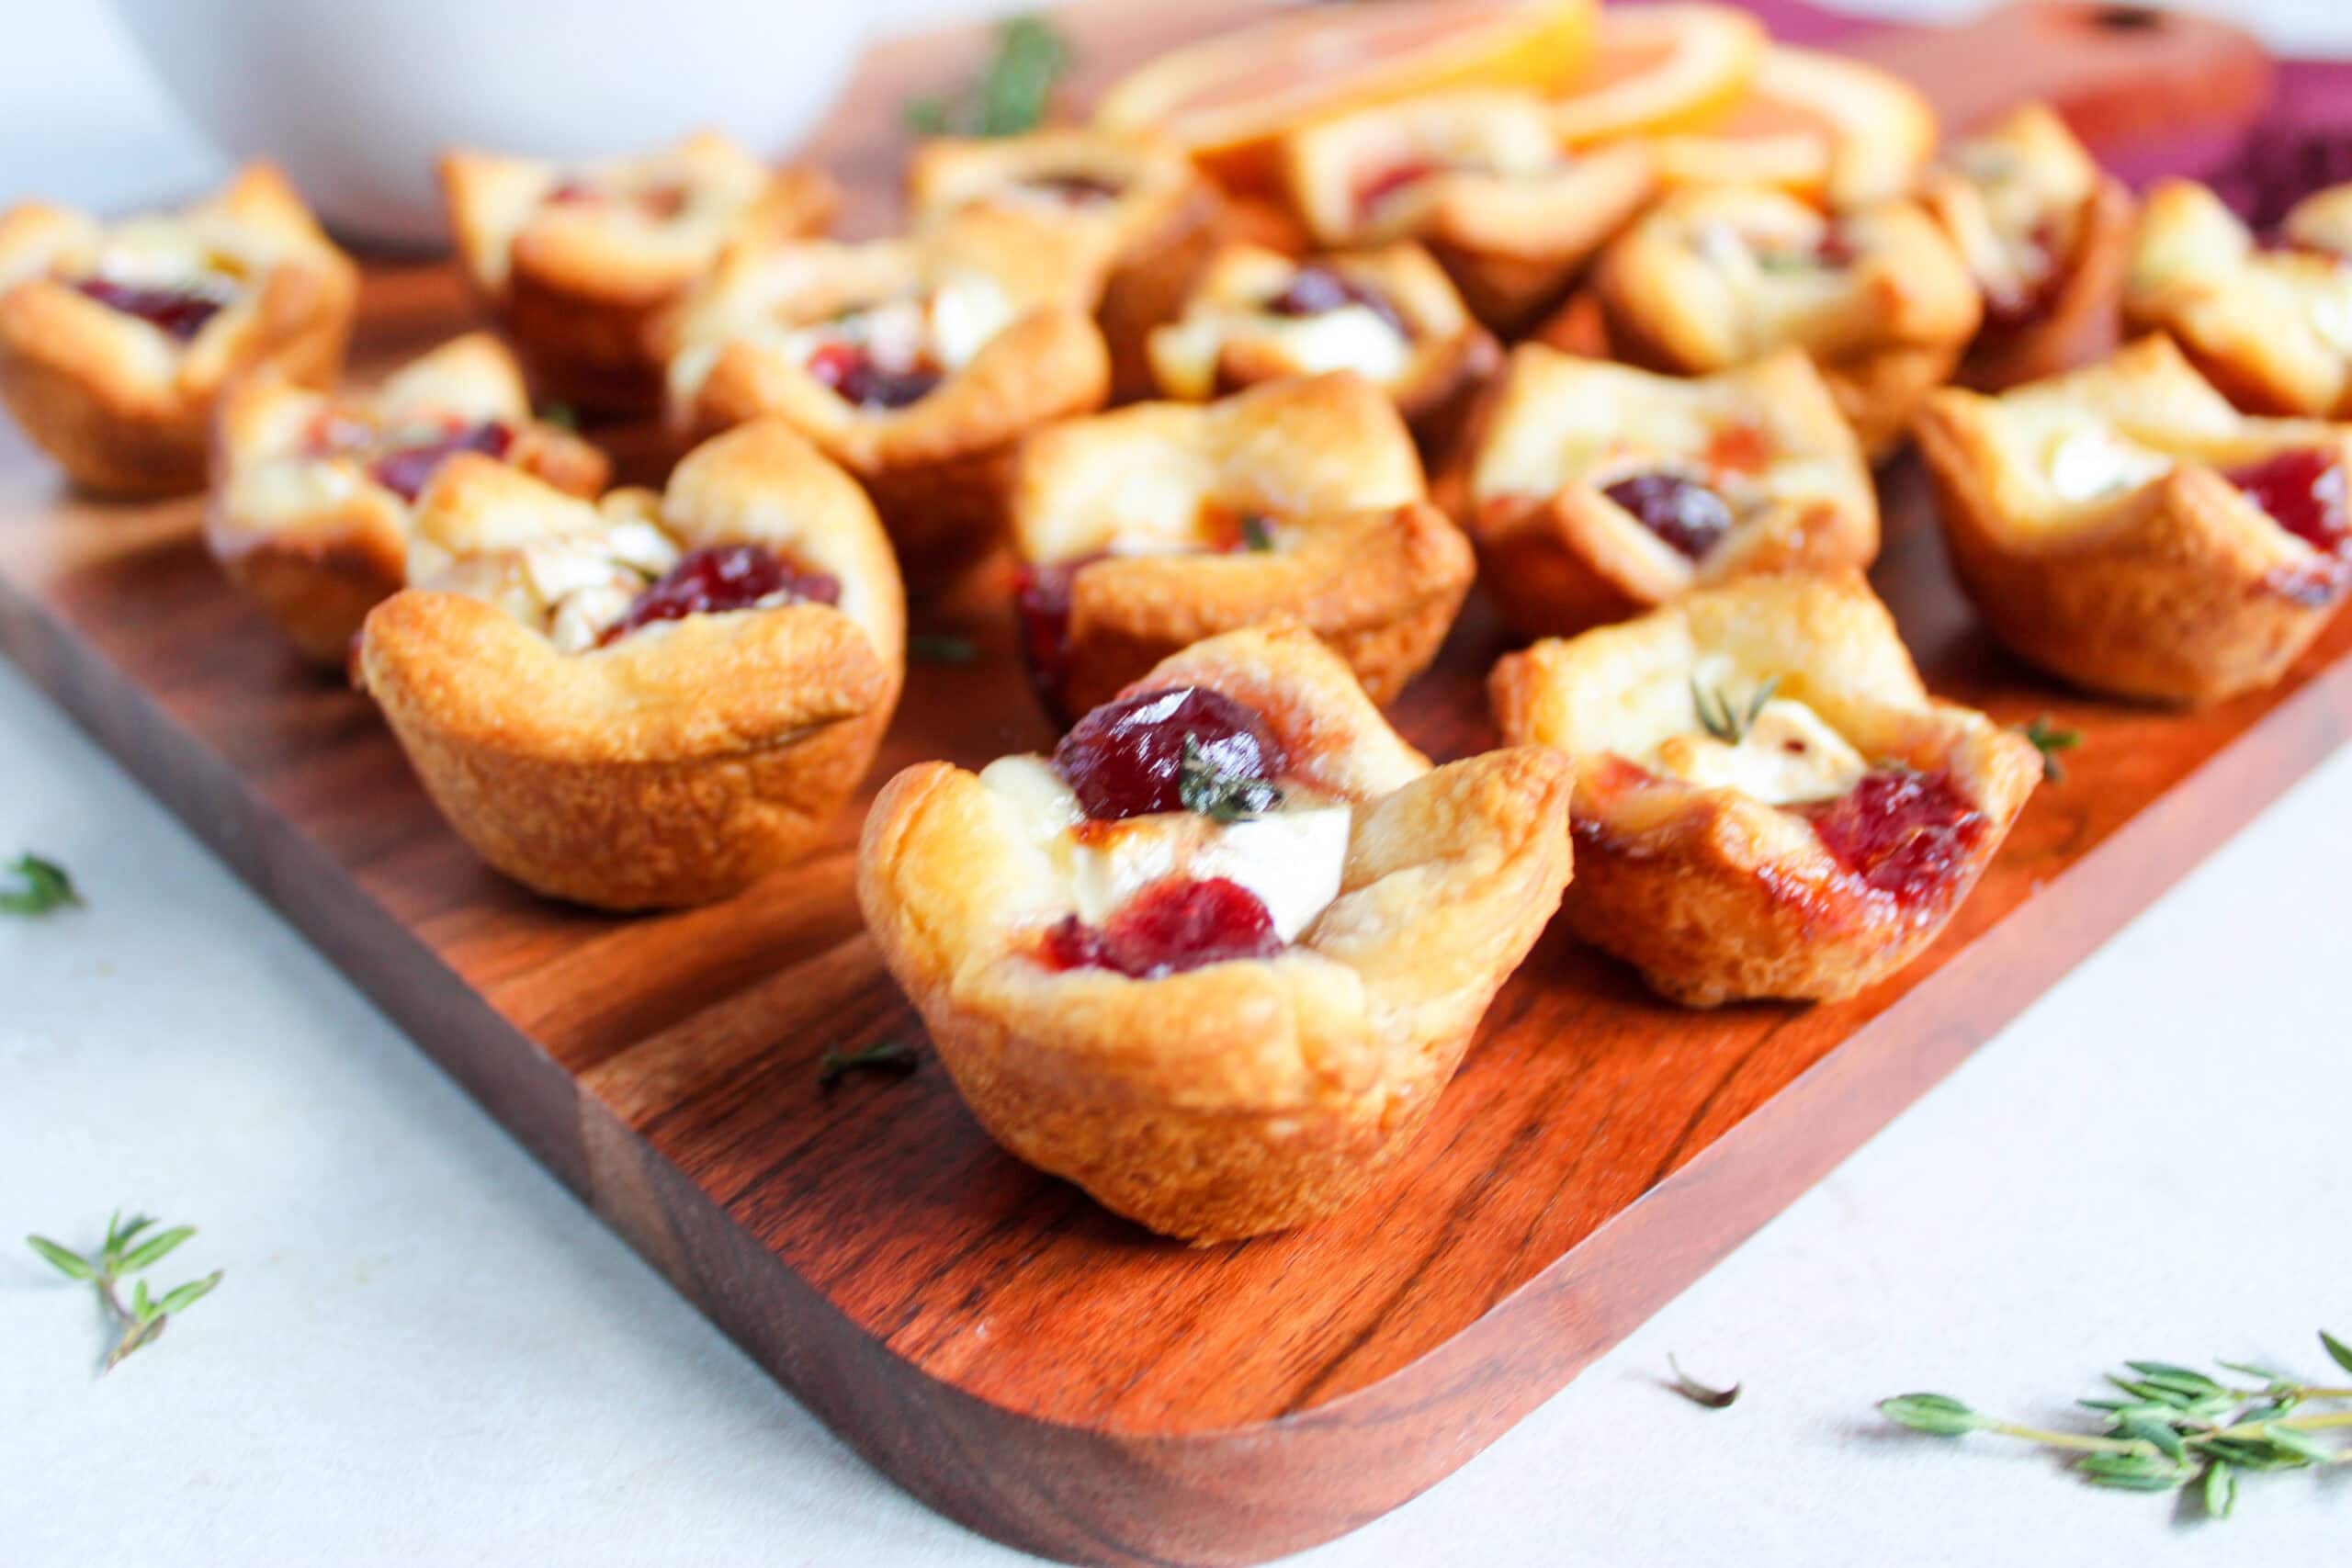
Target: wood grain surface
x=1044, y=1373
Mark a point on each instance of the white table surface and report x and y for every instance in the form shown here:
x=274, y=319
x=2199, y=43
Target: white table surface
x=425, y=1351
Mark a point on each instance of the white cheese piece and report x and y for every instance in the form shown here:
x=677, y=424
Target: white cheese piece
x=1039, y=802
x=635, y=542
x=559, y=567
x=1349, y=338
x=967, y=311
x=2092, y=462
x=1789, y=755
x=582, y=617
x=2330, y=313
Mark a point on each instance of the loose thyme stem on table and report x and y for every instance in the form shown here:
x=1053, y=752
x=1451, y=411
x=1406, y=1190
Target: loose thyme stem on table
x=143, y=1320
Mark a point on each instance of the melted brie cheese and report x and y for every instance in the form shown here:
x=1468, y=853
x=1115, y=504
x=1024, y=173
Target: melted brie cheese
x=1788, y=756
x=1291, y=859
x=2091, y=461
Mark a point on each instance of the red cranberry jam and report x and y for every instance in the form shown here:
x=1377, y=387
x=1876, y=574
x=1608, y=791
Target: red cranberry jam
x=1381, y=184
x=2303, y=493
x=1041, y=598
x=2009, y=308
x=1168, y=928
x=719, y=577
x=1126, y=758
x=1075, y=190
x=178, y=313
x=404, y=469
x=1900, y=831
x=661, y=202
x=1686, y=514
x=849, y=370
x=1317, y=290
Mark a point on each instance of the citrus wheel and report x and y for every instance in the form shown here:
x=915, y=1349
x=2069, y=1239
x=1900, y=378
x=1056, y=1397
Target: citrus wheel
x=1820, y=125
x=1660, y=68
x=1229, y=97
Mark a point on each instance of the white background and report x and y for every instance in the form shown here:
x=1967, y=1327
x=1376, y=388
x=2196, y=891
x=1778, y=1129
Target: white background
x=426, y=1352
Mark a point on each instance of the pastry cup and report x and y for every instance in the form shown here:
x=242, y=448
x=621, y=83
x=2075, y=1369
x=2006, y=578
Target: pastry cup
x=683, y=762
x=124, y=403
x=1138, y=511
x=2046, y=234
x=2270, y=327
x=937, y=469
x=1709, y=891
x=2090, y=519
x=580, y=261
x=1715, y=277
x=1558, y=432
x=1428, y=354
x=1247, y=1096
x=301, y=517
x=1481, y=180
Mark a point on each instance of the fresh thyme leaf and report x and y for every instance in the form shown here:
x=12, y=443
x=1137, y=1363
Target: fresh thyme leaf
x=1937, y=1415
x=886, y=1055
x=143, y=1322
x=1725, y=722
x=940, y=647
x=1203, y=786
x=2049, y=740
x=2337, y=1350
x=1697, y=1393
x=1256, y=534
x=45, y=887
x=1012, y=92
x=73, y=1264
x=564, y=416
x=2181, y=1428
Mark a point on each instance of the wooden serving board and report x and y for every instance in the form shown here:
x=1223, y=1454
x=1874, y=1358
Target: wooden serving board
x=1048, y=1375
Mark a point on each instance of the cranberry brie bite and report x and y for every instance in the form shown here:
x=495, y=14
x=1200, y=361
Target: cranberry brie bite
x=916, y=364
x=1717, y=276
x=2126, y=528
x=1768, y=802
x=1217, y=957
x=2269, y=324
x=580, y=260
x=1135, y=207
x=1481, y=179
x=312, y=492
x=1389, y=315
x=1144, y=530
x=1594, y=491
x=115, y=339
x=653, y=700
x=2046, y=234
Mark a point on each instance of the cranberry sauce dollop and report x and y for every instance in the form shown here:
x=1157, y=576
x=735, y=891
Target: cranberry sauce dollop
x=660, y=202
x=179, y=313
x=1317, y=290
x=1168, y=928
x=1124, y=757
x=1901, y=832
x=404, y=469
x=1075, y=190
x=853, y=373
x=2303, y=492
x=1683, y=512
x=2010, y=308
x=1041, y=598
x=718, y=578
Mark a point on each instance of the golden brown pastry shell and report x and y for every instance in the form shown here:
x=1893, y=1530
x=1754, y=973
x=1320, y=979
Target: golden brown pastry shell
x=1713, y=895
x=69, y=365
x=1246, y=1097
x=316, y=575
x=1561, y=563
x=2080, y=325
x=682, y=763
x=2178, y=590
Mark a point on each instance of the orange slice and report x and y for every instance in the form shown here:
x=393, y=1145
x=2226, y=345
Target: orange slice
x=1230, y=97
x=1660, y=68
x=1820, y=125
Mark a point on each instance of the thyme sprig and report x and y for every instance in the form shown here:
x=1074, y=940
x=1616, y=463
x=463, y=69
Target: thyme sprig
x=2174, y=1428
x=42, y=887
x=1726, y=723
x=1221, y=797
x=121, y=1256
x=883, y=1055
x=1012, y=92
x=2049, y=740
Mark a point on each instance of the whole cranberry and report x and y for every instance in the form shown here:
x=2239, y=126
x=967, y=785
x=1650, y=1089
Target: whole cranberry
x=1125, y=758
